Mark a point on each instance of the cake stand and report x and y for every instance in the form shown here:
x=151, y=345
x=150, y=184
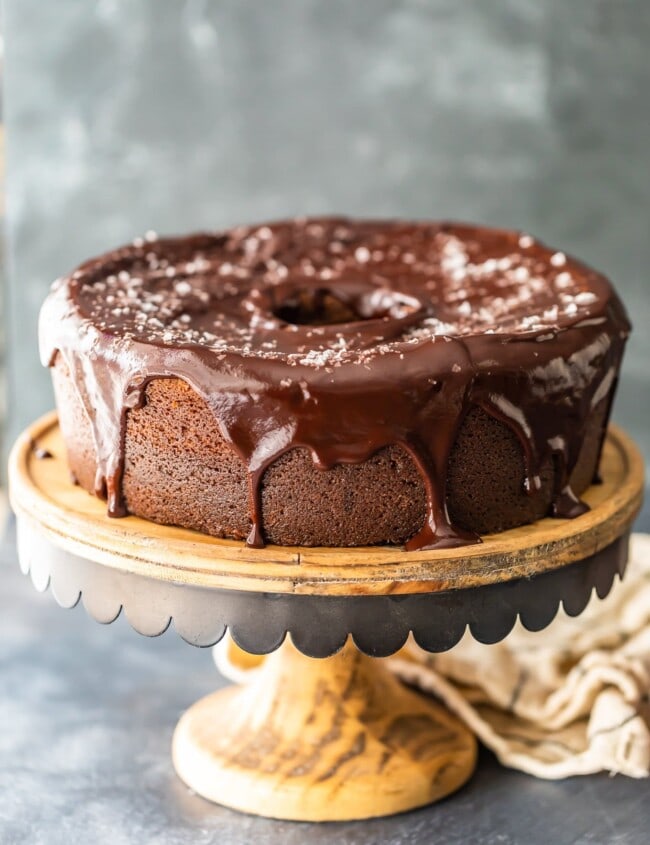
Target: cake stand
x=339, y=737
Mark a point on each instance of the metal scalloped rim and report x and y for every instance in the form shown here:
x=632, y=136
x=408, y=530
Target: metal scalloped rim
x=320, y=625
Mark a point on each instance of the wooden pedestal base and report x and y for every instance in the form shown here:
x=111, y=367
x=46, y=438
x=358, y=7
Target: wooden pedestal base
x=322, y=740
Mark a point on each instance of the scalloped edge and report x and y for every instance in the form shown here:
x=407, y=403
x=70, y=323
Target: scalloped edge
x=319, y=626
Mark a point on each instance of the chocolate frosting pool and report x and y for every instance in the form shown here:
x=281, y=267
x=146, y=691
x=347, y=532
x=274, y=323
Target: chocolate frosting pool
x=345, y=336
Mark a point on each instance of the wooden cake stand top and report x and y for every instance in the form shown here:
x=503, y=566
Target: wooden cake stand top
x=76, y=522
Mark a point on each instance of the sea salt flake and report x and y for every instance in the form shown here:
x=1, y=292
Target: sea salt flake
x=551, y=313
x=183, y=288
x=251, y=245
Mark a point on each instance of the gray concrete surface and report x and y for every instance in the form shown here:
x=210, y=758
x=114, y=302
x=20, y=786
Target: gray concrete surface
x=87, y=714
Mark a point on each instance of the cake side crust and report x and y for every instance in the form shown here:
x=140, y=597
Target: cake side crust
x=180, y=471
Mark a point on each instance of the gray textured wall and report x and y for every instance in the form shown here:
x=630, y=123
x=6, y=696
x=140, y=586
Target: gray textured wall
x=125, y=115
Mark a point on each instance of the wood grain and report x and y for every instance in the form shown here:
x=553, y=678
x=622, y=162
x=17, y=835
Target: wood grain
x=322, y=740
x=78, y=523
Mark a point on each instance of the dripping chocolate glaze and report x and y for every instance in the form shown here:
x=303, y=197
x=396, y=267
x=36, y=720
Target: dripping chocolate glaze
x=344, y=337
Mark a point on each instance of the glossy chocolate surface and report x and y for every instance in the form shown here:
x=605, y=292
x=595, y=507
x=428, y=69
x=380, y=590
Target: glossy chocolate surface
x=343, y=337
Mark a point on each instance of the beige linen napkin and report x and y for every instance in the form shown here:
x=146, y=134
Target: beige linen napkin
x=570, y=700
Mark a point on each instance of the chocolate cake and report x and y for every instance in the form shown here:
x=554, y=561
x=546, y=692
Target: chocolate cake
x=336, y=382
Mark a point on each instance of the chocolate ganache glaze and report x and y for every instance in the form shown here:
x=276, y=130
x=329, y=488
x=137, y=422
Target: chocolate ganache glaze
x=344, y=337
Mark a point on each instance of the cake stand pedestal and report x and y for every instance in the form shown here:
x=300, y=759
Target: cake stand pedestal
x=335, y=738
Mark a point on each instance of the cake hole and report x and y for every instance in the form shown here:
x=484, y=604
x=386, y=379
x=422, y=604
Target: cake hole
x=324, y=306
x=315, y=307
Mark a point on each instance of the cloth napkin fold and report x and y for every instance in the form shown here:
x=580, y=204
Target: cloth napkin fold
x=570, y=700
